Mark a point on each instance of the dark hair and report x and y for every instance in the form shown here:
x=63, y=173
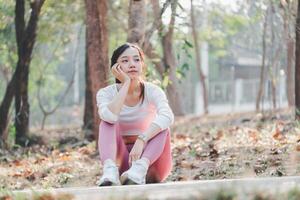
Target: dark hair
x=116, y=54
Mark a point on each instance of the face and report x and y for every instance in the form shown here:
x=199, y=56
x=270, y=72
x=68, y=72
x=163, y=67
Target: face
x=131, y=62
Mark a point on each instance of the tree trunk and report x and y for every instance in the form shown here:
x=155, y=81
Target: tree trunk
x=297, y=67
x=289, y=72
x=170, y=64
x=275, y=60
x=21, y=103
x=96, y=61
x=4, y=109
x=262, y=72
x=155, y=58
x=198, y=60
x=136, y=22
x=18, y=86
x=147, y=46
x=290, y=47
x=21, y=87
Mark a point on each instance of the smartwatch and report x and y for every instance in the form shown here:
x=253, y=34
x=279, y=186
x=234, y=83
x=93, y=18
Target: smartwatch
x=143, y=137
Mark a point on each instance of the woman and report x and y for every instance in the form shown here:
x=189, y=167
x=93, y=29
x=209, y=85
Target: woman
x=134, y=136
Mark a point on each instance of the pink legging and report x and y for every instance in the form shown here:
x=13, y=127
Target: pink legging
x=157, y=150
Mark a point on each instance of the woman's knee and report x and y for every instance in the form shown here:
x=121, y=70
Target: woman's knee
x=106, y=127
x=158, y=174
x=105, y=124
x=162, y=135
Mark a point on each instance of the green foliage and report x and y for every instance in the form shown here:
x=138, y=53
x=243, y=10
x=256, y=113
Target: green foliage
x=11, y=134
x=293, y=194
x=222, y=27
x=185, y=53
x=151, y=73
x=233, y=23
x=8, y=55
x=64, y=178
x=225, y=195
x=58, y=18
x=166, y=81
x=57, y=28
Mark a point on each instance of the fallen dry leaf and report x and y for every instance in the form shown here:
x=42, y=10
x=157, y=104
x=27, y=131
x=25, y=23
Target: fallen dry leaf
x=85, y=151
x=181, y=136
x=40, y=160
x=298, y=146
x=220, y=134
x=23, y=173
x=64, y=156
x=186, y=164
x=45, y=197
x=253, y=134
x=6, y=198
x=17, y=163
x=65, y=197
x=277, y=135
x=63, y=170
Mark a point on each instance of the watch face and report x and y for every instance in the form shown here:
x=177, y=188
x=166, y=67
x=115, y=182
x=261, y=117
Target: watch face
x=142, y=137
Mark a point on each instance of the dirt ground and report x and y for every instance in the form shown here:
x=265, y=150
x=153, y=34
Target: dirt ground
x=211, y=147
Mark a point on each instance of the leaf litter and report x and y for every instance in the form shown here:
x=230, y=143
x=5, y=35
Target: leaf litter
x=202, y=149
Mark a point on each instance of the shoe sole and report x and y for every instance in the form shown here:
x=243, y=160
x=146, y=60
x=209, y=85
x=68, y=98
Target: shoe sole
x=127, y=181
x=108, y=183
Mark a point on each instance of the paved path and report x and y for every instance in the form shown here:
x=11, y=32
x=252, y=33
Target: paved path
x=182, y=190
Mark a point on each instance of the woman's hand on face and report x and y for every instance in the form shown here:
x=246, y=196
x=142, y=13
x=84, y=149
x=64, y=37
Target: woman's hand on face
x=136, y=151
x=119, y=73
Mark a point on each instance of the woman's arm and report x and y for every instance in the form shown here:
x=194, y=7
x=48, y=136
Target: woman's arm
x=163, y=120
x=116, y=104
x=165, y=116
x=110, y=108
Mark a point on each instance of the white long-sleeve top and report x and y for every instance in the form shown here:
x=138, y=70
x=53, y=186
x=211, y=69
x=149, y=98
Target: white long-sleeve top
x=134, y=120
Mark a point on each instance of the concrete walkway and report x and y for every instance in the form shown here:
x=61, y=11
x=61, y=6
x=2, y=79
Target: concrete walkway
x=182, y=190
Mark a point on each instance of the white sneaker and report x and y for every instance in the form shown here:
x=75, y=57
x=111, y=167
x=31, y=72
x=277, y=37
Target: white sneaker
x=110, y=174
x=137, y=172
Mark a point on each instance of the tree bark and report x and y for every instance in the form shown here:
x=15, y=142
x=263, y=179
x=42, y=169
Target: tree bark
x=287, y=9
x=289, y=72
x=168, y=61
x=262, y=72
x=198, y=60
x=147, y=46
x=22, y=107
x=96, y=61
x=136, y=22
x=170, y=64
x=4, y=110
x=297, y=67
x=18, y=85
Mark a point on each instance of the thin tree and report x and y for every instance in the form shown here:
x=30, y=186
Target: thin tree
x=297, y=69
x=275, y=58
x=198, y=59
x=41, y=79
x=96, y=65
x=288, y=8
x=45, y=112
x=263, y=65
x=18, y=85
